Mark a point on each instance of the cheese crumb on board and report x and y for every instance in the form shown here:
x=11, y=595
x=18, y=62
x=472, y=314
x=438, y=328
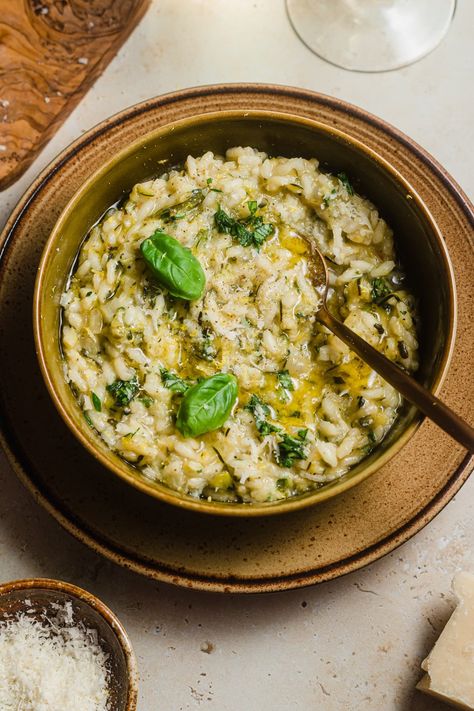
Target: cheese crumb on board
x=450, y=664
x=51, y=664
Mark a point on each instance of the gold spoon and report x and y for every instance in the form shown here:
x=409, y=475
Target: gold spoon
x=406, y=385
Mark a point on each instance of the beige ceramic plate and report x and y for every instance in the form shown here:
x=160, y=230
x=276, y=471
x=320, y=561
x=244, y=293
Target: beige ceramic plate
x=183, y=547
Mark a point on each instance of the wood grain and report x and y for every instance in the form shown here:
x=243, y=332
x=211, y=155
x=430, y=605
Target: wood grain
x=51, y=52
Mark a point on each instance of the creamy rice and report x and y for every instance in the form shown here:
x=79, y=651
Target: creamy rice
x=308, y=409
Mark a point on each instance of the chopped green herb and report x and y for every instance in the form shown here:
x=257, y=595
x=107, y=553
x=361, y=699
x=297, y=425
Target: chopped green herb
x=202, y=236
x=124, y=390
x=129, y=435
x=213, y=190
x=205, y=348
x=96, y=402
x=112, y=292
x=402, y=349
x=151, y=290
x=224, y=222
x=219, y=455
x=88, y=420
x=290, y=449
x=146, y=400
x=252, y=206
x=173, y=382
x=345, y=181
x=284, y=380
x=372, y=441
x=208, y=351
x=249, y=232
x=327, y=198
x=261, y=411
x=380, y=289
x=282, y=484
x=184, y=208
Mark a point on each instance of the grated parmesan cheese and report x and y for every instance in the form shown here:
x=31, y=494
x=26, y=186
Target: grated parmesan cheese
x=52, y=664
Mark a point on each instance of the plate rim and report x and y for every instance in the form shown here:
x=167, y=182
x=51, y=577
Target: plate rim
x=24, y=470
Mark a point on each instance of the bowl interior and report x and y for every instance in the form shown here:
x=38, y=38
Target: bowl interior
x=37, y=601
x=417, y=240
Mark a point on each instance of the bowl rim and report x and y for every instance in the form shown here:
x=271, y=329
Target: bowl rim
x=25, y=584
x=161, y=492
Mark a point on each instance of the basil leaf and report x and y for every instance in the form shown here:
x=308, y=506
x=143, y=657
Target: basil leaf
x=207, y=405
x=173, y=382
x=124, y=390
x=174, y=266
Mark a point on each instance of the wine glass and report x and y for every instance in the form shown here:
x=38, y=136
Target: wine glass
x=371, y=35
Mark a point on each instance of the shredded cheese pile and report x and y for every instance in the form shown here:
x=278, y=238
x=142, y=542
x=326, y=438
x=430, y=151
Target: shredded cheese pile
x=55, y=664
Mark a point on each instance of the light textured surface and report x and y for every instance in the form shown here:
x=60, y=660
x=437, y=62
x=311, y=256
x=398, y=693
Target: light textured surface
x=352, y=644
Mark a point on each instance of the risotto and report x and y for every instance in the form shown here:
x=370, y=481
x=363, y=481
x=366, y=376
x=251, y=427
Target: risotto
x=189, y=331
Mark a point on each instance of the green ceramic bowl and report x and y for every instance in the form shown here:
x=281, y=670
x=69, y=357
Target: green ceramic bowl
x=419, y=243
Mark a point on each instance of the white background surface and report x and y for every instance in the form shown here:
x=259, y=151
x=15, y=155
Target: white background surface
x=349, y=645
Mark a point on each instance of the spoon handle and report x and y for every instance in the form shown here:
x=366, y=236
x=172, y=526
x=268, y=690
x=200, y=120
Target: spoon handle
x=407, y=386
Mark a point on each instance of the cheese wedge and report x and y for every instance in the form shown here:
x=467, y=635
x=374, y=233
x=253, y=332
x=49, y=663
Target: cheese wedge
x=450, y=664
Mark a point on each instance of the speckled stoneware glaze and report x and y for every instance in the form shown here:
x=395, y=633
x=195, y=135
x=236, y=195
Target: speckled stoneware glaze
x=180, y=546
x=35, y=596
x=419, y=243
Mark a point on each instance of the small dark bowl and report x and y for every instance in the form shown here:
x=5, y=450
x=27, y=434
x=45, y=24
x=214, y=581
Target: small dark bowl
x=418, y=240
x=38, y=594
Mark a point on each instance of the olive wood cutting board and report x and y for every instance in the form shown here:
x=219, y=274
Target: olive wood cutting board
x=51, y=53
